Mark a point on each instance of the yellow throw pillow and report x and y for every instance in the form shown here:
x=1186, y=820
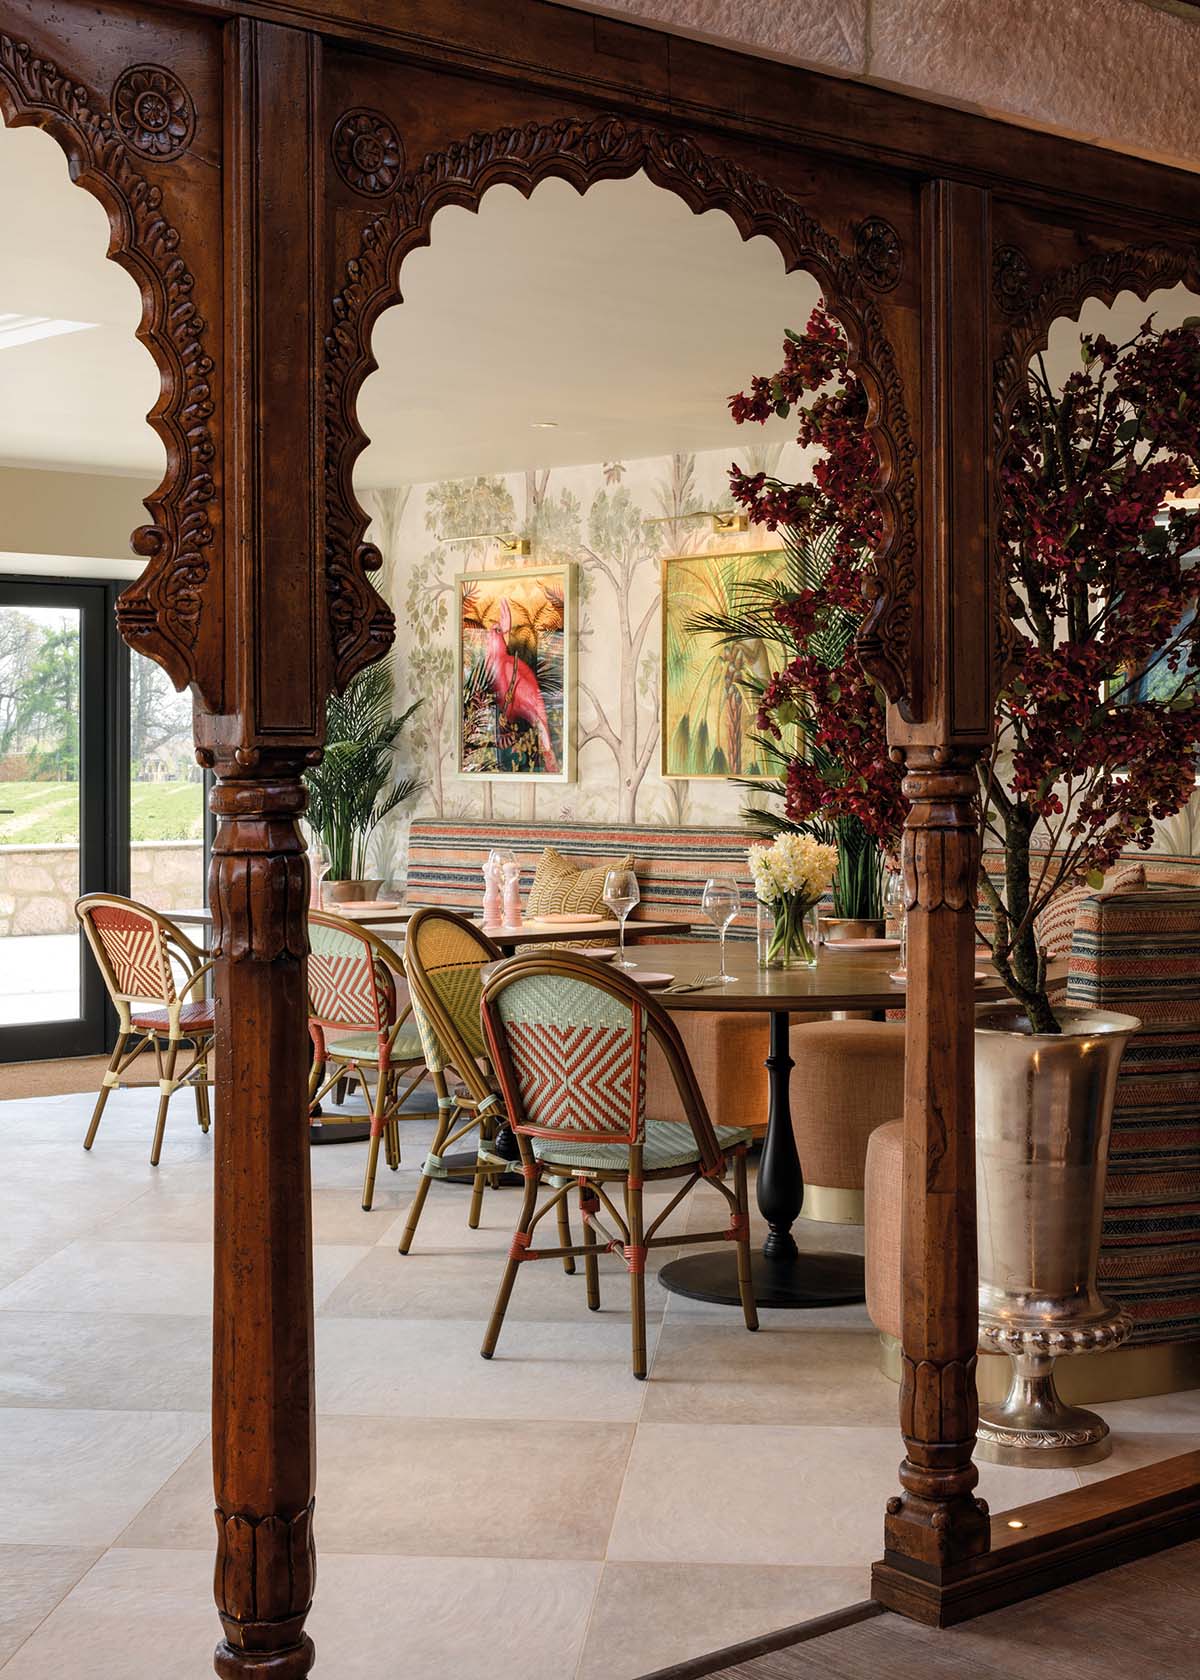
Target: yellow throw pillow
x=560, y=886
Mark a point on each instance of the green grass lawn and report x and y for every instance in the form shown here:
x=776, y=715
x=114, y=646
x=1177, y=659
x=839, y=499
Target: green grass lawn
x=45, y=812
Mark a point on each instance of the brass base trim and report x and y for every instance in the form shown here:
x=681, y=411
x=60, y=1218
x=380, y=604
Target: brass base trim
x=1125, y=1373
x=831, y=1206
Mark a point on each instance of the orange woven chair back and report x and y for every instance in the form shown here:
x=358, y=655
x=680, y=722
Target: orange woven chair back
x=351, y=986
x=131, y=944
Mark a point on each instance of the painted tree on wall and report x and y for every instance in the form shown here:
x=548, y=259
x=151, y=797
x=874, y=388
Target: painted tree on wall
x=621, y=549
x=453, y=508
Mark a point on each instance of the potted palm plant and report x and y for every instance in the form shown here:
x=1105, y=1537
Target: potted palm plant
x=821, y=721
x=355, y=785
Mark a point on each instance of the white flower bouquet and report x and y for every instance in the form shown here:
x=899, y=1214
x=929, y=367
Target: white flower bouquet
x=791, y=875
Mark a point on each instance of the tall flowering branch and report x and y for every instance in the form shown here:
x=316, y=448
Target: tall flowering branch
x=1099, y=727
x=831, y=526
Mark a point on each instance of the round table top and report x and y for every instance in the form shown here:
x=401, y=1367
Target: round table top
x=843, y=979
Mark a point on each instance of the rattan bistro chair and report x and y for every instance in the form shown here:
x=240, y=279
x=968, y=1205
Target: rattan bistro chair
x=353, y=993
x=150, y=968
x=444, y=956
x=568, y=1039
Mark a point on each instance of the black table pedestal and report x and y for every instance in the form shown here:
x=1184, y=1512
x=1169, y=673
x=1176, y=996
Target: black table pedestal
x=783, y=1276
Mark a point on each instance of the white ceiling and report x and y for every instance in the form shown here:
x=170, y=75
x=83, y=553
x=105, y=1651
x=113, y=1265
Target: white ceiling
x=620, y=315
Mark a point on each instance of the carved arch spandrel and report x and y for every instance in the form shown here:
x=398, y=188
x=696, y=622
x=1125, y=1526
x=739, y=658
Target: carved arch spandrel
x=584, y=152
x=161, y=613
x=1140, y=269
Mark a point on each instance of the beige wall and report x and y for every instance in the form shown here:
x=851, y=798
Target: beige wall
x=1120, y=73
x=69, y=513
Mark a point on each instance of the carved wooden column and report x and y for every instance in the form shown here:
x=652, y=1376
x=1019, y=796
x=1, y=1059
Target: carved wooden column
x=277, y=674
x=936, y=1523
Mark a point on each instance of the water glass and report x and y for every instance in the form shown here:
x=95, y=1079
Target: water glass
x=621, y=893
x=894, y=911
x=721, y=903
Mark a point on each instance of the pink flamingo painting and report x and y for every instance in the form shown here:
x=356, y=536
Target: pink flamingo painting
x=517, y=690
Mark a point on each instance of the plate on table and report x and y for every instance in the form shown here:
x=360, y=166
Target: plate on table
x=569, y=918
x=861, y=945
x=601, y=953
x=652, y=982
x=364, y=907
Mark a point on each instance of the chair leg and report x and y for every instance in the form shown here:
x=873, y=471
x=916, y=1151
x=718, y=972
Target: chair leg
x=444, y=1127
x=167, y=1073
x=637, y=1279
x=588, y=1203
x=368, y=1195
x=113, y=1064
x=744, y=1271
x=564, y=1236
x=393, y=1145
x=528, y=1205
x=478, y=1185
x=203, y=1119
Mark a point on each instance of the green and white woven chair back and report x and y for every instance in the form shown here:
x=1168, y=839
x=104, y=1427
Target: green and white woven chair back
x=345, y=986
x=579, y=1056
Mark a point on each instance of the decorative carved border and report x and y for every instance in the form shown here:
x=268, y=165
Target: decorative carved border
x=1140, y=269
x=160, y=613
x=583, y=152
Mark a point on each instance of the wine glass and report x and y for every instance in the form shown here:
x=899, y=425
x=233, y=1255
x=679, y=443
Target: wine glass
x=721, y=903
x=621, y=894
x=894, y=911
x=318, y=868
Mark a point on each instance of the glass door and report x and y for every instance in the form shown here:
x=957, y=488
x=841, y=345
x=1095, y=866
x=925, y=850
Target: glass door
x=58, y=822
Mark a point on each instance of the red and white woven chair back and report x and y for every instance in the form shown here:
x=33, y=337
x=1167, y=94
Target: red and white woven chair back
x=131, y=945
x=349, y=988
x=577, y=1057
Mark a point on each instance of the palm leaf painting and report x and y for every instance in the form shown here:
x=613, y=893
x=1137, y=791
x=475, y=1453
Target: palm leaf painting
x=710, y=677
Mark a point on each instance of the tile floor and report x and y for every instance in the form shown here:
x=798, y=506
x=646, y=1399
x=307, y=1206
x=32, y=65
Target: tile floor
x=542, y=1516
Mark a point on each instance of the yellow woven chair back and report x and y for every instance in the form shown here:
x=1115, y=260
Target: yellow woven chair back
x=443, y=958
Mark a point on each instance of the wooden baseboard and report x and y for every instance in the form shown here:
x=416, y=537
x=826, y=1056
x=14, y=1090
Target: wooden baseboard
x=696, y=1668
x=1046, y=1544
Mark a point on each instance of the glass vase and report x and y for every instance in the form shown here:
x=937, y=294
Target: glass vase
x=787, y=933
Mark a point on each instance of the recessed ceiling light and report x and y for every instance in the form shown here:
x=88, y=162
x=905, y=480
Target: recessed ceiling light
x=544, y=425
x=23, y=329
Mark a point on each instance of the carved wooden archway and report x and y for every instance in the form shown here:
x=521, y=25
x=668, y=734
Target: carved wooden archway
x=583, y=152
x=253, y=171
x=162, y=613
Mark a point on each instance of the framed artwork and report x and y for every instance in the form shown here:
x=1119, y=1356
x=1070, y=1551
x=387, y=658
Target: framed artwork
x=516, y=674
x=708, y=724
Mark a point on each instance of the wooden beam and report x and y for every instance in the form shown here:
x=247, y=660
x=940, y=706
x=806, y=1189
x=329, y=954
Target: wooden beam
x=1037, y=1547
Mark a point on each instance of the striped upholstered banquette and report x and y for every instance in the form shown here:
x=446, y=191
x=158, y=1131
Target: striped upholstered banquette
x=446, y=858
x=1138, y=951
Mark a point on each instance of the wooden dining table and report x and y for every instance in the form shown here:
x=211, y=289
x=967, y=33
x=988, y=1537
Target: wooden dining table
x=532, y=932
x=846, y=978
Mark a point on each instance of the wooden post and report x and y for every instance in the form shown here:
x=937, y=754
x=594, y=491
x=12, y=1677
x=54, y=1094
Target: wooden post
x=277, y=675
x=936, y=1522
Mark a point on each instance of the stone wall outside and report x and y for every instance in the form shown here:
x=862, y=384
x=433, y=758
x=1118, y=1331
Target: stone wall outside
x=39, y=884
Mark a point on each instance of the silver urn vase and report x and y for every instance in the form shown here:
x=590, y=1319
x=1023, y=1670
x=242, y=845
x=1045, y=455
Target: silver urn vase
x=1043, y=1108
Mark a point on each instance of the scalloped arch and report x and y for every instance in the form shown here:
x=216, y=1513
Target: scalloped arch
x=1141, y=269
x=160, y=613
x=584, y=152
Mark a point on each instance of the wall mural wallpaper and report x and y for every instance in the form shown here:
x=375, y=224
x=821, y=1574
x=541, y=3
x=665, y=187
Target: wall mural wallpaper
x=709, y=727
x=515, y=702
x=616, y=522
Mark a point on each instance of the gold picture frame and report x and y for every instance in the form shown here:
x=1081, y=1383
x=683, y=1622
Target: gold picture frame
x=707, y=723
x=516, y=642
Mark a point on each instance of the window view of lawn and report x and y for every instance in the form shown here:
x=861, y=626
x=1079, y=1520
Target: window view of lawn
x=47, y=813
